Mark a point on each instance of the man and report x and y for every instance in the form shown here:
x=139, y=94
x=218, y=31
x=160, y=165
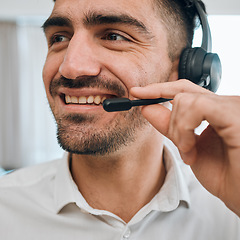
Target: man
x=120, y=180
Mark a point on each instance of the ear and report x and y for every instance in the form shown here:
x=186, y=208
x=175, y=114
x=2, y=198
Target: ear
x=174, y=71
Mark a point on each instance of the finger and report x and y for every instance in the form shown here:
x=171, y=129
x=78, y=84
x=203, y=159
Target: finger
x=158, y=116
x=187, y=114
x=184, y=119
x=189, y=110
x=190, y=156
x=166, y=89
x=223, y=114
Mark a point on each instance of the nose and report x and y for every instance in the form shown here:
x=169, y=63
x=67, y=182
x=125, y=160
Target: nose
x=80, y=59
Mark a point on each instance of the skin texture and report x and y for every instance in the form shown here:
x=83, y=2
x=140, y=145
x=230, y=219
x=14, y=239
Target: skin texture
x=127, y=47
x=213, y=155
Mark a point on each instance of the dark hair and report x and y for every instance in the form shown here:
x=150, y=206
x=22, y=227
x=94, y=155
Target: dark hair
x=180, y=19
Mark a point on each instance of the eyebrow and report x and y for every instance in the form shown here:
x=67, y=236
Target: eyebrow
x=94, y=19
x=56, y=21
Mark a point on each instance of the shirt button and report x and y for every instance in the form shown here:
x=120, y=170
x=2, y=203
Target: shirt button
x=127, y=234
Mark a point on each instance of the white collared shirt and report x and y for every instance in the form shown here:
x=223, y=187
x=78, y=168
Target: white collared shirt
x=43, y=202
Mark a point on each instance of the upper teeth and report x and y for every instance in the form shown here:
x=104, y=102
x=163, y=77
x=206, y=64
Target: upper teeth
x=83, y=100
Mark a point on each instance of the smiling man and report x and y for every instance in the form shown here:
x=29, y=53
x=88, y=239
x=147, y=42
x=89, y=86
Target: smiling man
x=101, y=54
x=120, y=178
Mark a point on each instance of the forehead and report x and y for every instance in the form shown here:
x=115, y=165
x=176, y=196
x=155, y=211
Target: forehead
x=75, y=10
x=132, y=5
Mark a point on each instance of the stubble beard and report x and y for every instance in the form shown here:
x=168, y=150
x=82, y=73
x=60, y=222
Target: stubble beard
x=75, y=135
x=79, y=134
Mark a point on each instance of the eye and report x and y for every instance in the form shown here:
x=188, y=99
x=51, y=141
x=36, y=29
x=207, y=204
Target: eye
x=58, y=38
x=114, y=37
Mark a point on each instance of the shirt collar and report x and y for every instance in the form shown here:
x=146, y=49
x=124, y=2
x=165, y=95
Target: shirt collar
x=172, y=193
x=64, y=185
x=175, y=188
x=66, y=191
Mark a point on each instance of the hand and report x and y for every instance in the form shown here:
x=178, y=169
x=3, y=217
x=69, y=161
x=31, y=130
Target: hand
x=214, y=155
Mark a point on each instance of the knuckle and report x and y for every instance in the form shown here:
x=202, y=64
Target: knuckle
x=190, y=101
x=185, y=147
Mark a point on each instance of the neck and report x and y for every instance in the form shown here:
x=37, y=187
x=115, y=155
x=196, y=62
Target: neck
x=124, y=182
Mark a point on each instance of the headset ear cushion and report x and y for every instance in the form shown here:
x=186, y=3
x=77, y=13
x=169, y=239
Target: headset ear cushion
x=182, y=69
x=191, y=64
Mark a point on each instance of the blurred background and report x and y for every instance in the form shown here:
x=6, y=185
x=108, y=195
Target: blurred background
x=27, y=128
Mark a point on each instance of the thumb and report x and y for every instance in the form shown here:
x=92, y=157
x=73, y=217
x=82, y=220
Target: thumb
x=158, y=116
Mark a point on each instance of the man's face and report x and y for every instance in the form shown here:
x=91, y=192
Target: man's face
x=99, y=49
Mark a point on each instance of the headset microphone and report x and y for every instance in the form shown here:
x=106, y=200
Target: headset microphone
x=197, y=64
x=124, y=104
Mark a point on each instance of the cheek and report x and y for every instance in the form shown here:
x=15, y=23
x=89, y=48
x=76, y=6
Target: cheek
x=145, y=68
x=50, y=70
x=131, y=70
x=144, y=72
x=158, y=69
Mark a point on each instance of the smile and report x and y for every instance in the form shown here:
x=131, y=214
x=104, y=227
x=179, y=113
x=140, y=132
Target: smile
x=97, y=100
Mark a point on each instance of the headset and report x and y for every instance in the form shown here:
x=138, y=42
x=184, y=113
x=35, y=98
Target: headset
x=198, y=65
